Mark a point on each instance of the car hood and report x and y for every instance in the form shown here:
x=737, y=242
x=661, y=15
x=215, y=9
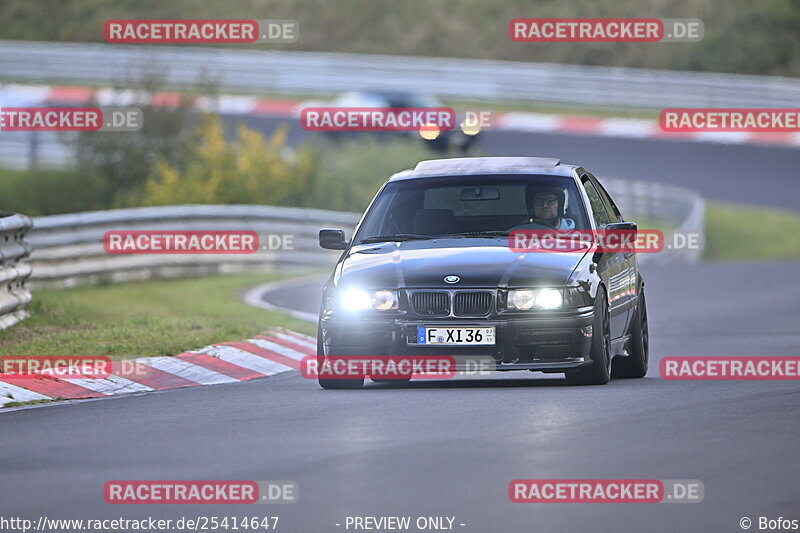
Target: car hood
x=477, y=262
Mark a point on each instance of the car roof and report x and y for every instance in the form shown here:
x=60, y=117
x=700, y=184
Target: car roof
x=485, y=165
x=391, y=92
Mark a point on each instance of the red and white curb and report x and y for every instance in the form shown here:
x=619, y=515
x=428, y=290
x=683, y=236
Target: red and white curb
x=275, y=352
x=14, y=95
x=631, y=128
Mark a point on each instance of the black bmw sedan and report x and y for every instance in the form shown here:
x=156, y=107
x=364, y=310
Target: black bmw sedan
x=431, y=270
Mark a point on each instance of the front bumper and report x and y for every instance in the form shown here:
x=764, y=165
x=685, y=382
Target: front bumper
x=547, y=343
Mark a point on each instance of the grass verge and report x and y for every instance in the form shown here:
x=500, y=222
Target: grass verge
x=152, y=318
x=31, y=402
x=741, y=232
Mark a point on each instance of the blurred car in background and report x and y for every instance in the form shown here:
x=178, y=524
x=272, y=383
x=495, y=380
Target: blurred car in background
x=459, y=139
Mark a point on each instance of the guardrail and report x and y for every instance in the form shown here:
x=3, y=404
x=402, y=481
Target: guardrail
x=308, y=72
x=14, y=268
x=680, y=210
x=34, y=149
x=68, y=249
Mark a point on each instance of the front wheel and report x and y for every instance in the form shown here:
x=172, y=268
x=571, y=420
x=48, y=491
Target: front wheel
x=328, y=383
x=599, y=373
x=635, y=365
x=398, y=381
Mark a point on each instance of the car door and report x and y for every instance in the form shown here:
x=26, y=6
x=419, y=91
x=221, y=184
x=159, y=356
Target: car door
x=612, y=267
x=631, y=263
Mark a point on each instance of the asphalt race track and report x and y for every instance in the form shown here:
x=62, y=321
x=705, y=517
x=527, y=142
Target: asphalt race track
x=738, y=173
x=450, y=448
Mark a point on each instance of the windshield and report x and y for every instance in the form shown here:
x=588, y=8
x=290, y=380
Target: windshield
x=472, y=205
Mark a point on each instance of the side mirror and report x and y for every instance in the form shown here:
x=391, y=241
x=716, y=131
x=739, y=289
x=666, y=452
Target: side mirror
x=332, y=239
x=629, y=226
x=626, y=233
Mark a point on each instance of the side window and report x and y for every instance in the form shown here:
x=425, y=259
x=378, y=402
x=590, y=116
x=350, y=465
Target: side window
x=599, y=212
x=611, y=207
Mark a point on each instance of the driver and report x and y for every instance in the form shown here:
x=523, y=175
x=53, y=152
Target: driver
x=546, y=205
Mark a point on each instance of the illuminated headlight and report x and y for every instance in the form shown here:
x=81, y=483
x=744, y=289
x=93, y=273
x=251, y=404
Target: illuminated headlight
x=355, y=299
x=352, y=299
x=526, y=299
x=429, y=132
x=470, y=127
x=549, y=299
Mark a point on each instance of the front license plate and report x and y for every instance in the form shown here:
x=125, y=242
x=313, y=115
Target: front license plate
x=455, y=336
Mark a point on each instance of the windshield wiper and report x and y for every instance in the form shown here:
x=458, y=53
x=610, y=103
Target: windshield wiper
x=396, y=237
x=493, y=233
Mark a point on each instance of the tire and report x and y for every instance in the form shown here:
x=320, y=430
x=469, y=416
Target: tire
x=398, y=381
x=335, y=384
x=599, y=373
x=340, y=384
x=635, y=365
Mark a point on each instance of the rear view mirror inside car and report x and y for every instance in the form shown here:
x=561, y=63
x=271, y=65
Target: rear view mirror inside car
x=479, y=193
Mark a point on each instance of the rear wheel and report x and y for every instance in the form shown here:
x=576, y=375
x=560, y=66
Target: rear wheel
x=599, y=373
x=328, y=383
x=635, y=365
